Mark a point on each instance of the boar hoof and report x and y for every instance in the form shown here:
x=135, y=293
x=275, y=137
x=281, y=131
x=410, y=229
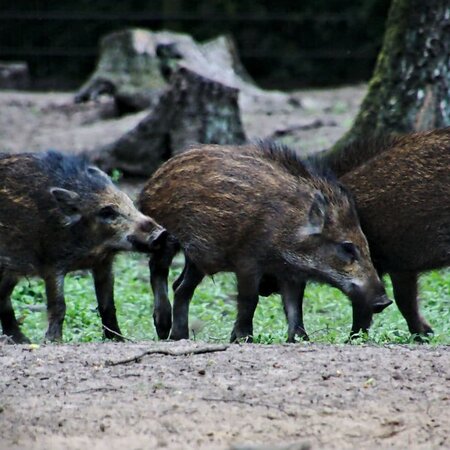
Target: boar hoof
x=241, y=337
x=19, y=338
x=113, y=335
x=178, y=336
x=361, y=334
x=53, y=335
x=298, y=336
x=424, y=335
x=163, y=324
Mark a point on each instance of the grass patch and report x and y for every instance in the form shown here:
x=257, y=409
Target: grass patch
x=327, y=311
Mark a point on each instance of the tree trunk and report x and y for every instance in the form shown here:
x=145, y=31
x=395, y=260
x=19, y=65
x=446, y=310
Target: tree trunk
x=194, y=109
x=410, y=87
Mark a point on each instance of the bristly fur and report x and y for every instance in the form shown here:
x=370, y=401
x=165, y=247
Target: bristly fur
x=71, y=169
x=311, y=167
x=362, y=150
x=357, y=153
x=290, y=160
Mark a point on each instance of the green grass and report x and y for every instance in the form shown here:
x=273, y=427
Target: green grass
x=327, y=311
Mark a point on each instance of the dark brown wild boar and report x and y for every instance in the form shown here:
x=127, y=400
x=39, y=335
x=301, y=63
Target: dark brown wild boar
x=58, y=214
x=256, y=210
x=401, y=186
x=403, y=200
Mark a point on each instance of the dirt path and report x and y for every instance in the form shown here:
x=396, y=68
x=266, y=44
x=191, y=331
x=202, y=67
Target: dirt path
x=323, y=397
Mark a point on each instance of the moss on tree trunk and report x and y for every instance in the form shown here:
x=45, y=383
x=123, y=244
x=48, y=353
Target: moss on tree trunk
x=410, y=87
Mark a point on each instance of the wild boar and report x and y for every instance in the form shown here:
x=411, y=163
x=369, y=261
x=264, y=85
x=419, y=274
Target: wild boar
x=403, y=200
x=401, y=185
x=256, y=210
x=59, y=214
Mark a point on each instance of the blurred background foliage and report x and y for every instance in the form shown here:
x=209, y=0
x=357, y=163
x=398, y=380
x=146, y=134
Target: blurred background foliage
x=283, y=44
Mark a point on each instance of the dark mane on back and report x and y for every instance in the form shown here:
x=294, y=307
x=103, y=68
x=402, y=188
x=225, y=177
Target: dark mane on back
x=289, y=159
x=356, y=153
x=72, y=170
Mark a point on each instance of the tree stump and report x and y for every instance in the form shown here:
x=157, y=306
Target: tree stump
x=135, y=66
x=14, y=75
x=409, y=90
x=194, y=109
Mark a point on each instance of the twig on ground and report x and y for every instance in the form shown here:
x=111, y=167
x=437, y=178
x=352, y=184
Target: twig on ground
x=118, y=334
x=168, y=352
x=98, y=389
x=249, y=403
x=4, y=339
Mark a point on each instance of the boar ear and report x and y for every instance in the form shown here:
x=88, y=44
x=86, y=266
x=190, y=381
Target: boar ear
x=316, y=215
x=68, y=203
x=96, y=172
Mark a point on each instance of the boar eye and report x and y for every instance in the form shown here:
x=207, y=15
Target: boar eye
x=108, y=213
x=348, y=252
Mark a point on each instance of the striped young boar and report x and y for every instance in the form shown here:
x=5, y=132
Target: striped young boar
x=256, y=210
x=401, y=186
x=59, y=214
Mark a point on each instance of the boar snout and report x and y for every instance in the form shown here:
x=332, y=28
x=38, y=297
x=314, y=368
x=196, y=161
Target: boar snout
x=149, y=236
x=372, y=294
x=157, y=239
x=380, y=303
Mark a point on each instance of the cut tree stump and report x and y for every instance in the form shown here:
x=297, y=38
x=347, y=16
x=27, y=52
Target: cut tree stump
x=135, y=66
x=194, y=109
x=14, y=75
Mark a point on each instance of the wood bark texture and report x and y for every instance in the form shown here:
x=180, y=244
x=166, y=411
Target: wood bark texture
x=410, y=87
x=135, y=66
x=194, y=109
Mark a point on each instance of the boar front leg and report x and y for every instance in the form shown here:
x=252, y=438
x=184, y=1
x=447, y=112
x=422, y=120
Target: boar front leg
x=8, y=319
x=247, y=300
x=362, y=318
x=104, y=290
x=159, y=265
x=56, y=306
x=292, y=295
x=191, y=279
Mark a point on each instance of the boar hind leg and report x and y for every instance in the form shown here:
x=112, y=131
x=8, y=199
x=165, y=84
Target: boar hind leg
x=8, y=319
x=178, y=281
x=292, y=295
x=405, y=292
x=247, y=300
x=56, y=306
x=159, y=266
x=185, y=290
x=104, y=290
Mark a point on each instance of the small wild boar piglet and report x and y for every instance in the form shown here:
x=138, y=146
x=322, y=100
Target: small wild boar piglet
x=256, y=210
x=58, y=214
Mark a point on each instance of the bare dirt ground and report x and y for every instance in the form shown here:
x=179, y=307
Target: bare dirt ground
x=310, y=396
x=38, y=121
x=318, y=397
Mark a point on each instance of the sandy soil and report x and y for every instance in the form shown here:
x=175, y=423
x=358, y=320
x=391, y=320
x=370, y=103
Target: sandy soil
x=318, y=397
x=292, y=396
